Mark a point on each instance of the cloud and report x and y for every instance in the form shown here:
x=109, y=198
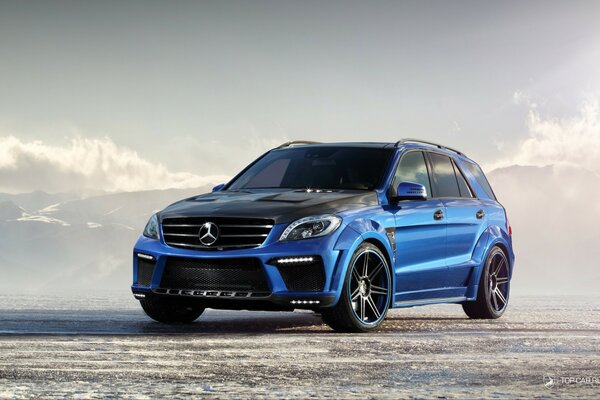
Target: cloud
x=518, y=97
x=541, y=185
x=83, y=164
x=554, y=237
x=568, y=141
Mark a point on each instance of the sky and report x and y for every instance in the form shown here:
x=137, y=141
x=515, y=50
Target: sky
x=131, y=95
x=120, y=96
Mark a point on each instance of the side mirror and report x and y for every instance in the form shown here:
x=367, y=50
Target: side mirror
x=218, y=187
x=411, y=191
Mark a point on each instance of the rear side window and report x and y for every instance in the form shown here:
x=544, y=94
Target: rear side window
x=412, y=168
x=480, y=178
x=463, y=187
x=444, y=178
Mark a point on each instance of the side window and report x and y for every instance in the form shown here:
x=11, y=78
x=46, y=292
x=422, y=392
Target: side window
x=481, y=179
x=412, y=168
x=463, y=187
x=444, y=178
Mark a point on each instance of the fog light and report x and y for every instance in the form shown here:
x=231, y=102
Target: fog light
x=305, y=301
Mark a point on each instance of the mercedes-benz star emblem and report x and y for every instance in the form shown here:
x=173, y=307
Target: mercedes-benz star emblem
x=208, y=234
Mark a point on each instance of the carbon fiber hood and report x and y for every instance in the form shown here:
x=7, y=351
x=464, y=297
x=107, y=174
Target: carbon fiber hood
x=283, y=206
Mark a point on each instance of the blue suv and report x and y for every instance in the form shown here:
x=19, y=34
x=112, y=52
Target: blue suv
x=348, y=230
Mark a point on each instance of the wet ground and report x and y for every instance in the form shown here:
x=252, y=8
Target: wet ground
x=103, y=346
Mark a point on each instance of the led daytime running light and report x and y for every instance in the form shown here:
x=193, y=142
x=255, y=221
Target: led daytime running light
x=291, y=260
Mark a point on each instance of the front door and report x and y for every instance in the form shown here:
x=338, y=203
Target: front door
x=420, y=248
x=420, y=235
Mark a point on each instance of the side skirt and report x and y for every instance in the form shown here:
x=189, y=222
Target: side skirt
x=422, y=302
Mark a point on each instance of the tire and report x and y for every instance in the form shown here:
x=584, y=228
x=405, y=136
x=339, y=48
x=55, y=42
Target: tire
x=170, y=311
x=494, y=288
x=365, y=297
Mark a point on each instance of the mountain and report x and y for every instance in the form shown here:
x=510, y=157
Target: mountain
x=34, y=201
x=9, y=210
x=75, y=243
x=85, y=243
x=554, y=214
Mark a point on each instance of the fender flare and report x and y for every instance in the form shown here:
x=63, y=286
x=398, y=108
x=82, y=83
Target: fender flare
x=354, y=234
x=491, y=237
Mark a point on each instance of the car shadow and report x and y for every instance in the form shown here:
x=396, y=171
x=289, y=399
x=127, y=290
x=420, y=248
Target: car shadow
x=135, y=322
x=242, y=324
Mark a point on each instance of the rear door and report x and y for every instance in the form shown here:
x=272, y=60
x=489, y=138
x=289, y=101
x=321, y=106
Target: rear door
x=420, y=235
x=464, y=215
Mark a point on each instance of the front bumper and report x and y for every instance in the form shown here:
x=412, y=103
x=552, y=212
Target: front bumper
x=277, y=296
x=275, y=302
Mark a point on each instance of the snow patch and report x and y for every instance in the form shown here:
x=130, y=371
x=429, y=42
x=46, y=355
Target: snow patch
x=123, y=226
x=113, y=211
x=51, y=209
x=41, y=218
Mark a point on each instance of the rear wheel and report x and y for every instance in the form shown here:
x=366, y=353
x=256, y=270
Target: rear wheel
x=494, y=288
x=365, y=296
x=170, y=311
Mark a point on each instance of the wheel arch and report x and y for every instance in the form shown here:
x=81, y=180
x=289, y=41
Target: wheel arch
x=490, y=238
x=379, y=244
x=365, y=231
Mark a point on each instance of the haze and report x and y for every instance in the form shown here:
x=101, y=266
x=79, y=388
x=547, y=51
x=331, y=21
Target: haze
x=110, y=97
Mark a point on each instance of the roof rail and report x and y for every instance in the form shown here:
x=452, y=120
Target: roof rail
x=439, y=146
x=295, y=142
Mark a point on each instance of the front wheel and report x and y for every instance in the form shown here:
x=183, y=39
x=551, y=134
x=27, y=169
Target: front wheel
x=494, y=288
x=170, y=311
x=365, y=297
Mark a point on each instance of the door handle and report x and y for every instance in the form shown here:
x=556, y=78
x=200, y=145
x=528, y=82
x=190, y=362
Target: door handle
x=439, y=214
x=480, y=214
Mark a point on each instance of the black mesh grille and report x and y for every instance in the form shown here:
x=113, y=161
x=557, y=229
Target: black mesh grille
x=234, y=233
x=303, y=277
x=231, y=274
x=145, y=271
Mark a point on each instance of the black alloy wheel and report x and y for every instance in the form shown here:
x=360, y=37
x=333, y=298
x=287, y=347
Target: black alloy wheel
x=365, y=298
x=494, y=288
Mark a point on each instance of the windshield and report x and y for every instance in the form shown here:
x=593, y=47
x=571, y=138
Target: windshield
x=317, y=168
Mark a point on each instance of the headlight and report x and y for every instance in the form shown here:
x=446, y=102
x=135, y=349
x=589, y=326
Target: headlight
x=310, y=227
x=151, y=229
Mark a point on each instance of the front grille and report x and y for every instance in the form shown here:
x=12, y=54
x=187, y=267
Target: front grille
x=229, y=275
x=234, y=233
x=303, y=277
x=145, y=271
